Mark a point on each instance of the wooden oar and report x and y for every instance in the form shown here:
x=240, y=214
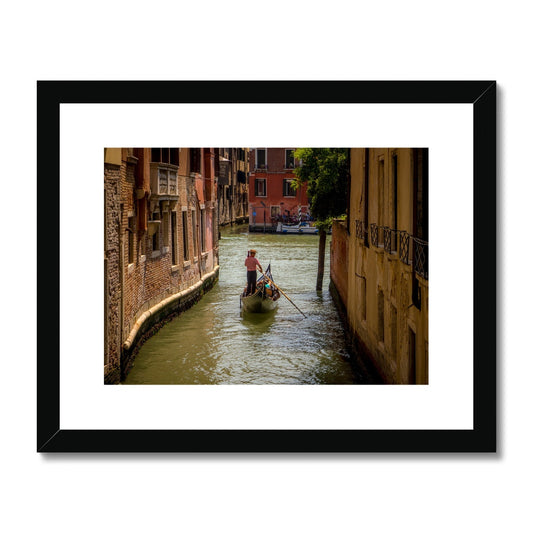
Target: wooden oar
x=264, y=275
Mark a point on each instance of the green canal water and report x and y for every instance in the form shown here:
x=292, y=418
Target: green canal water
x=215, y=343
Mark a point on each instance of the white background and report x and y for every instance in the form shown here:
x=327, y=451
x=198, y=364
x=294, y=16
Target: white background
x=242, y=40
x=446, y=403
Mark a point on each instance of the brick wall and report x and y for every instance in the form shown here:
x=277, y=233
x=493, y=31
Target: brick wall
x=275, y=159
x=112, y=287
x=339, y=259
x=142, y=277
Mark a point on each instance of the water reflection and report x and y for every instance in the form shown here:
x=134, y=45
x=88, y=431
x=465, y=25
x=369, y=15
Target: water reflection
x=258, y=323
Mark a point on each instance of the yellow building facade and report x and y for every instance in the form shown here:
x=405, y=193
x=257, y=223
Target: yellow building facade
x=385, y=288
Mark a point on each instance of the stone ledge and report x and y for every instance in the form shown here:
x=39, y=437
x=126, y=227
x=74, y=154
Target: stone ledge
x=152, y=319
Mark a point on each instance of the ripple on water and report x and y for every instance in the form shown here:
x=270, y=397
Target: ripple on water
x=216, y=343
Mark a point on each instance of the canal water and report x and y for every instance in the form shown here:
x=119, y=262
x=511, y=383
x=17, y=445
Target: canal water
x=214, y=342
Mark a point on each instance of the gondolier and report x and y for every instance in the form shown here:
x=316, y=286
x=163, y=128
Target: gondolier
x=251, y=264
x=265, y=297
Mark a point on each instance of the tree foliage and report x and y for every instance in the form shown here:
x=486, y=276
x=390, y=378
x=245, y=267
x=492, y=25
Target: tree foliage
x=325, y=170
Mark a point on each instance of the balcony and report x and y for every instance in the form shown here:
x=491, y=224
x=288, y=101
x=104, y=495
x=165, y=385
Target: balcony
x=411, y=250
x=153, y=227
x=164, y=180
x=360, y=230
x=375, y=235
x=390, y=238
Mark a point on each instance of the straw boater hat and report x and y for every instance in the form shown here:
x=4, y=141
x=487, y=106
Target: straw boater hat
x=253, y=251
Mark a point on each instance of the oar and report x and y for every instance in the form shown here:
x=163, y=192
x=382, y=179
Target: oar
x=284, y=294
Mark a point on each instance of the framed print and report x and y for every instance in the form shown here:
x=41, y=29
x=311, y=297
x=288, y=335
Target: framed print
x=147, y=260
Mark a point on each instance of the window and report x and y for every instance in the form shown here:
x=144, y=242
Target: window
x=173, y=238
x=162, y=181
x=167, y=182
x=260, y=158
x=166, y=240
x=260, y=187
x=241, y=176
x=363, y=298
x=412, y=357
x=194, y=234
x=366, y=194
x=381, y=192
x=377, y=233
x=175, y=156
x=287, y=188
x=166, y=155
x=155, y=236
x=217, y=161
x=185, y=228
x=394, y=331
x=394, y=218
x=275, y=211
x=202, y=230
x=420, y=219
x=172, y=182
x=420, y=186
x=195, y=157
x=131, y=238
x=289, y=158
x=381, y=316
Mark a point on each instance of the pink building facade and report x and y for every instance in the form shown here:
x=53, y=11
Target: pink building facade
x=271, y=197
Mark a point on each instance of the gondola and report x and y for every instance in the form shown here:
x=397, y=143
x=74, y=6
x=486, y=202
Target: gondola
x=265, y=298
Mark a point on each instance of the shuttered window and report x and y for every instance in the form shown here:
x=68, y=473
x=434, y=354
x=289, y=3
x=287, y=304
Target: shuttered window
x=260, y=187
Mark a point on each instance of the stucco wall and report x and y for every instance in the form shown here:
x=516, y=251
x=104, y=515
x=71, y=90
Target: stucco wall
x=386, y=320
x=274, y=176
x=339, y=259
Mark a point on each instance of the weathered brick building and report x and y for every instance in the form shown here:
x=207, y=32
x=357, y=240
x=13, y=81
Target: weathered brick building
x=232, y=168
x=379, y=266
x=161, y=247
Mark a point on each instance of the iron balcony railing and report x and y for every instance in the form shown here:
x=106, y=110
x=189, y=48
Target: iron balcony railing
x=390, y=239
x=421, y=257
x=411, y=250
x=374, y=234
x=360, y=230
x=405, y=249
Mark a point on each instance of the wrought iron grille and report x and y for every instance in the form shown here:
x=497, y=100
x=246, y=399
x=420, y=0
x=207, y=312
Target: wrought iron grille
x=387, y=239
x=421, y=257
x=360, y=229
x=404, y=246
x=374, y=234
x=390, y=239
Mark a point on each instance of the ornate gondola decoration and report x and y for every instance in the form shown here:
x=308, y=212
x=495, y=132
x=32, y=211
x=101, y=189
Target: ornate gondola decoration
x=265, y=298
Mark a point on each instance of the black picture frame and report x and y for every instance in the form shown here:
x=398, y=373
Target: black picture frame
x=482, y=96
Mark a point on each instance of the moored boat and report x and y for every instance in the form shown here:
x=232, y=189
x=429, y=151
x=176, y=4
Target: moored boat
x=303, y=227
x=306, y=228
x=264, y=299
